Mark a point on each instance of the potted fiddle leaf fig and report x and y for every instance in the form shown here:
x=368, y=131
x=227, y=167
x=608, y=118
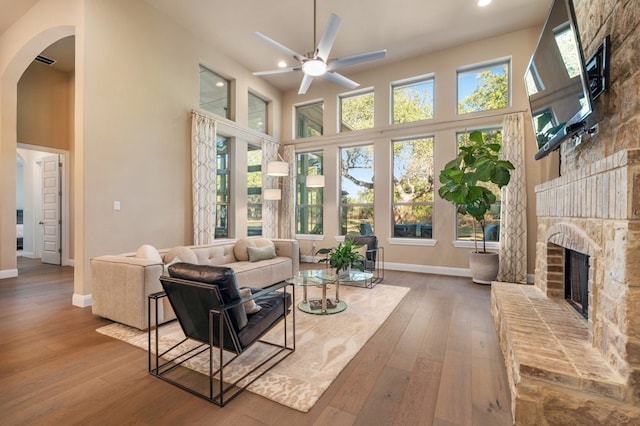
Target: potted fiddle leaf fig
x=343, y=257
x=464, y=183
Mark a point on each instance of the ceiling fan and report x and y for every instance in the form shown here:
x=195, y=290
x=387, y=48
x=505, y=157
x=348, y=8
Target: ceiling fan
x=317, y=62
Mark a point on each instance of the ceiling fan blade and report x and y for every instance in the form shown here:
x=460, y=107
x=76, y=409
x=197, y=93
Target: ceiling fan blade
x=278, y=71
x=340, y=79
x=355, y=59
x=328, y=37
x=306, y=82
x=281, y=47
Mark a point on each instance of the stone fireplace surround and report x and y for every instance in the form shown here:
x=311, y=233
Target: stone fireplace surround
x=562, y=368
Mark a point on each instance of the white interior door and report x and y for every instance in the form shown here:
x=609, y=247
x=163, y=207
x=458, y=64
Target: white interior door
x=51, y=213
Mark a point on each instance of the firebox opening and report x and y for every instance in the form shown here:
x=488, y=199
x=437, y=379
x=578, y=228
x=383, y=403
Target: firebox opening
x=576, y=281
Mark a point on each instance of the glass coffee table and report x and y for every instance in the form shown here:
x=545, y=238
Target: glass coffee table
x=322, y=278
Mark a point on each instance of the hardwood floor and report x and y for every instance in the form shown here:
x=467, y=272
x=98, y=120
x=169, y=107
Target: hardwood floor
x=436, y=360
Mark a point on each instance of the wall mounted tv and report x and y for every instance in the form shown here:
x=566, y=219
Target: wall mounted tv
x=556, y=81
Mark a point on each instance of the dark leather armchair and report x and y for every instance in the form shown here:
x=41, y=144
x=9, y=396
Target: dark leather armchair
x=207, y=303
x=374, y=255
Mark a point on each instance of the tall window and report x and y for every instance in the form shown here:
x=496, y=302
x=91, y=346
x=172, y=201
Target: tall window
x=356, y=190
x=356, y=111
x=309, y=120
x=466, y=226
x=309, y=200
x=413, y=188
x=483, y=88
x=223, y=190
x=254, y=191
x=412, y=101
x=257, y=113
x=214, y=93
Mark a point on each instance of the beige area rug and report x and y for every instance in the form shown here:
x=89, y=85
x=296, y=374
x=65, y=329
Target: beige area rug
x=324, y=344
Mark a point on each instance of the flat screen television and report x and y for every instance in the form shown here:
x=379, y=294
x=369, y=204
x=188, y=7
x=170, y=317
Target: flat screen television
x=557, y=82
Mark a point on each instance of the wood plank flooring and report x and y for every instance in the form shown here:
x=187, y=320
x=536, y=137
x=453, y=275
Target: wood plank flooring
x=435, y=361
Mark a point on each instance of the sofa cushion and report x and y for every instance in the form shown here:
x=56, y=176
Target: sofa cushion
x=240, y=248
x=185, y=254
x=147, y=251
x=250, y=306
x=261, y=253
x=222, y=277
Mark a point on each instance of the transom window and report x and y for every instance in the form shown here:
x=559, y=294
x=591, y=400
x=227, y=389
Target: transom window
x=254, y=191
x=466, y=228
x=356, y=189
x=214, y=93
x=223, y=190
x=309, y=200
x=309, y=120
x=483, y=88
x=356, y=111
x=257, y=113
x=413, y=188
x=412, y=101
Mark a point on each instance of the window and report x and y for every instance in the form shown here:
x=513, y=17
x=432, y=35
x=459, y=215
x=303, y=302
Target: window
x=223, y=190
x=309, y=200
x=356, y=189
x=309, y=120
x=465, y=228
x=412, y=101
x=483, y=88
x=254, y=191
x=257, y=113
x=356, y=111
x=214, y=93
x=413, y=188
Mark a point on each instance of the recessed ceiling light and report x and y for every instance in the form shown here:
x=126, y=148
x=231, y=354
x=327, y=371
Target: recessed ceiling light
x=282, y=64
x=483, y=3
x=219, y=84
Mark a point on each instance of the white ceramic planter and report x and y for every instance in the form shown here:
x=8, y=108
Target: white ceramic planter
x=484, y=267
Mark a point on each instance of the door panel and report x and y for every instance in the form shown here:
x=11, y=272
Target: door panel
x=51, y=216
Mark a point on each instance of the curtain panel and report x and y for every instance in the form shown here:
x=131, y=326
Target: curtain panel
x=203, y=174
x=513, y=222
x=288, y=202
x=269, y=208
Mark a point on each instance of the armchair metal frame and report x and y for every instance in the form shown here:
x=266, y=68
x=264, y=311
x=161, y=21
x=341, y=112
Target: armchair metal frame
x=222, y=337
x=374, y=257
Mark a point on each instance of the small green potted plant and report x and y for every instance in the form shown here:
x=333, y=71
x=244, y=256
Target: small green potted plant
x=464, y=182
x=343, y=257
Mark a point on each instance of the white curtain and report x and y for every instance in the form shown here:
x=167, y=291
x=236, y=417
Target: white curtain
x=288, y=202
x=269, y=208
x=513, y=222
x=203, y=173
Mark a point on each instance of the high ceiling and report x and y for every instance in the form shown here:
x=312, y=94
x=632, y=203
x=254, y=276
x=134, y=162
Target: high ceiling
x=406, y=28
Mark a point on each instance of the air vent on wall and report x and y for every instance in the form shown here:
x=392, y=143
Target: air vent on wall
x=45, y=60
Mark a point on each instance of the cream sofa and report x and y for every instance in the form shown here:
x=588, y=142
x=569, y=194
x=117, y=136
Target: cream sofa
x=121, y=283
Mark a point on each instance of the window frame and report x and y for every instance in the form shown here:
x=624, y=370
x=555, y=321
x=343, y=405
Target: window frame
x=478, y=68
x=203, y=69
x=341, y=205
x=222, y=220
x=457, y=242
x=296, y=118
x=302, y=173
x=431, y=203
x=350, y=95
x=264, y=115
x=254, y=190
x=413, y=81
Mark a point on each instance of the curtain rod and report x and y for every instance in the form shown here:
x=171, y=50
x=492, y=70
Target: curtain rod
x=232, y=124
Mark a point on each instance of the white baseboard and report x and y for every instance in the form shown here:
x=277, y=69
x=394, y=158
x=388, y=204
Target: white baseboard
x=8, y=273
x=428, y=269
x=81, y=300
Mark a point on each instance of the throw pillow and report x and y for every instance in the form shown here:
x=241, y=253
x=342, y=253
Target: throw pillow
x=240, y=248
x=261, y=253
x=250, y=306
x=184, y=253
x=166, y=266
x=147, y=251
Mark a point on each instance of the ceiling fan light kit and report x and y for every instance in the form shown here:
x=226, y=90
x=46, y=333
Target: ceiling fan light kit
x=317, y=63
